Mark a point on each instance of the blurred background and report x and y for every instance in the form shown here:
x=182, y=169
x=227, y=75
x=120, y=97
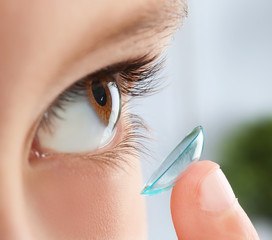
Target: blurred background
x=220, y=76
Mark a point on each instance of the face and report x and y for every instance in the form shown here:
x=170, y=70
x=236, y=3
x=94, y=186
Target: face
x=69, y=145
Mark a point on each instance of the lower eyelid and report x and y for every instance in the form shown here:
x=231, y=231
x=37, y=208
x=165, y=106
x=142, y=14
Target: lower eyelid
x=128, y=143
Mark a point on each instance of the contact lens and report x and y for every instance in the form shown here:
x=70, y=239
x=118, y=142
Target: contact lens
x=186, y=152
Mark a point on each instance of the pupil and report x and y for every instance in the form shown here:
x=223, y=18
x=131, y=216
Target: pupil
x=99, y=93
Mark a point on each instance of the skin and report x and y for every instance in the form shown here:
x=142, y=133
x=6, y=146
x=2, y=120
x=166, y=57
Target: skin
x=201, y=211
x=45, y=47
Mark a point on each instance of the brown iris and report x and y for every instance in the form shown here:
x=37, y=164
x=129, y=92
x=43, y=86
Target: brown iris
x=100, y=99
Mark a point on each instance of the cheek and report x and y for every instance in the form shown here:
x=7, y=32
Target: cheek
x=84, y=201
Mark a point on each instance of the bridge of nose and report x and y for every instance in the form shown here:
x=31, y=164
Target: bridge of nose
x=13, y=211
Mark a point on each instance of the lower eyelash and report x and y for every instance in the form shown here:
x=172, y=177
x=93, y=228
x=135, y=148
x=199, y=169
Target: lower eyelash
x=132, y=143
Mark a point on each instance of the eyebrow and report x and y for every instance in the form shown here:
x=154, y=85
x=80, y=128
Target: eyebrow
x=162, y=17
x=157, y=18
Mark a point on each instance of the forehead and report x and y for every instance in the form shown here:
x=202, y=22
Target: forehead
x=98, y=20
x=41, y=39
x=36, y=30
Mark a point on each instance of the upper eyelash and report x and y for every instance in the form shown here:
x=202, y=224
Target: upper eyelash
x=140, y=76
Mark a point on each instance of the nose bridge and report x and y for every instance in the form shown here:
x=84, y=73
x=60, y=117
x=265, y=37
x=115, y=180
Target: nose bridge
x=11, y=207
x=13, y=217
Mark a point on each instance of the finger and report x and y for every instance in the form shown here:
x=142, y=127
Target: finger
x=203, y=206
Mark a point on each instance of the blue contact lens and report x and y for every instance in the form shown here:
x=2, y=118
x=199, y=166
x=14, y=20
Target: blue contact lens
x=186, y=152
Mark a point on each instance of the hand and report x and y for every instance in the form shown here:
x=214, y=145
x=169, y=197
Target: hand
x=204, y=207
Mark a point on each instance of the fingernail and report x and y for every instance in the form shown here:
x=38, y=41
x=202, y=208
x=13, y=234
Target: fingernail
x=216, y=193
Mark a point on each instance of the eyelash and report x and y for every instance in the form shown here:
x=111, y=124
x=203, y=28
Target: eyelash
x=135, y=78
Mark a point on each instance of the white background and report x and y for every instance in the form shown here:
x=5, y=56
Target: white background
x=219, y=70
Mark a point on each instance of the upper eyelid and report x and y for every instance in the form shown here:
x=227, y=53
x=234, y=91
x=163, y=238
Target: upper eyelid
x=124, y=67
x=137, y=71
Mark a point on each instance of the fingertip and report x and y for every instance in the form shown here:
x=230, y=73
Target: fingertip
x=198, y=169
x=203, y=206
x=183, y=195
x=189, y=179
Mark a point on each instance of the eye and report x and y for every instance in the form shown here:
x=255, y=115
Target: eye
x=83, y=118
